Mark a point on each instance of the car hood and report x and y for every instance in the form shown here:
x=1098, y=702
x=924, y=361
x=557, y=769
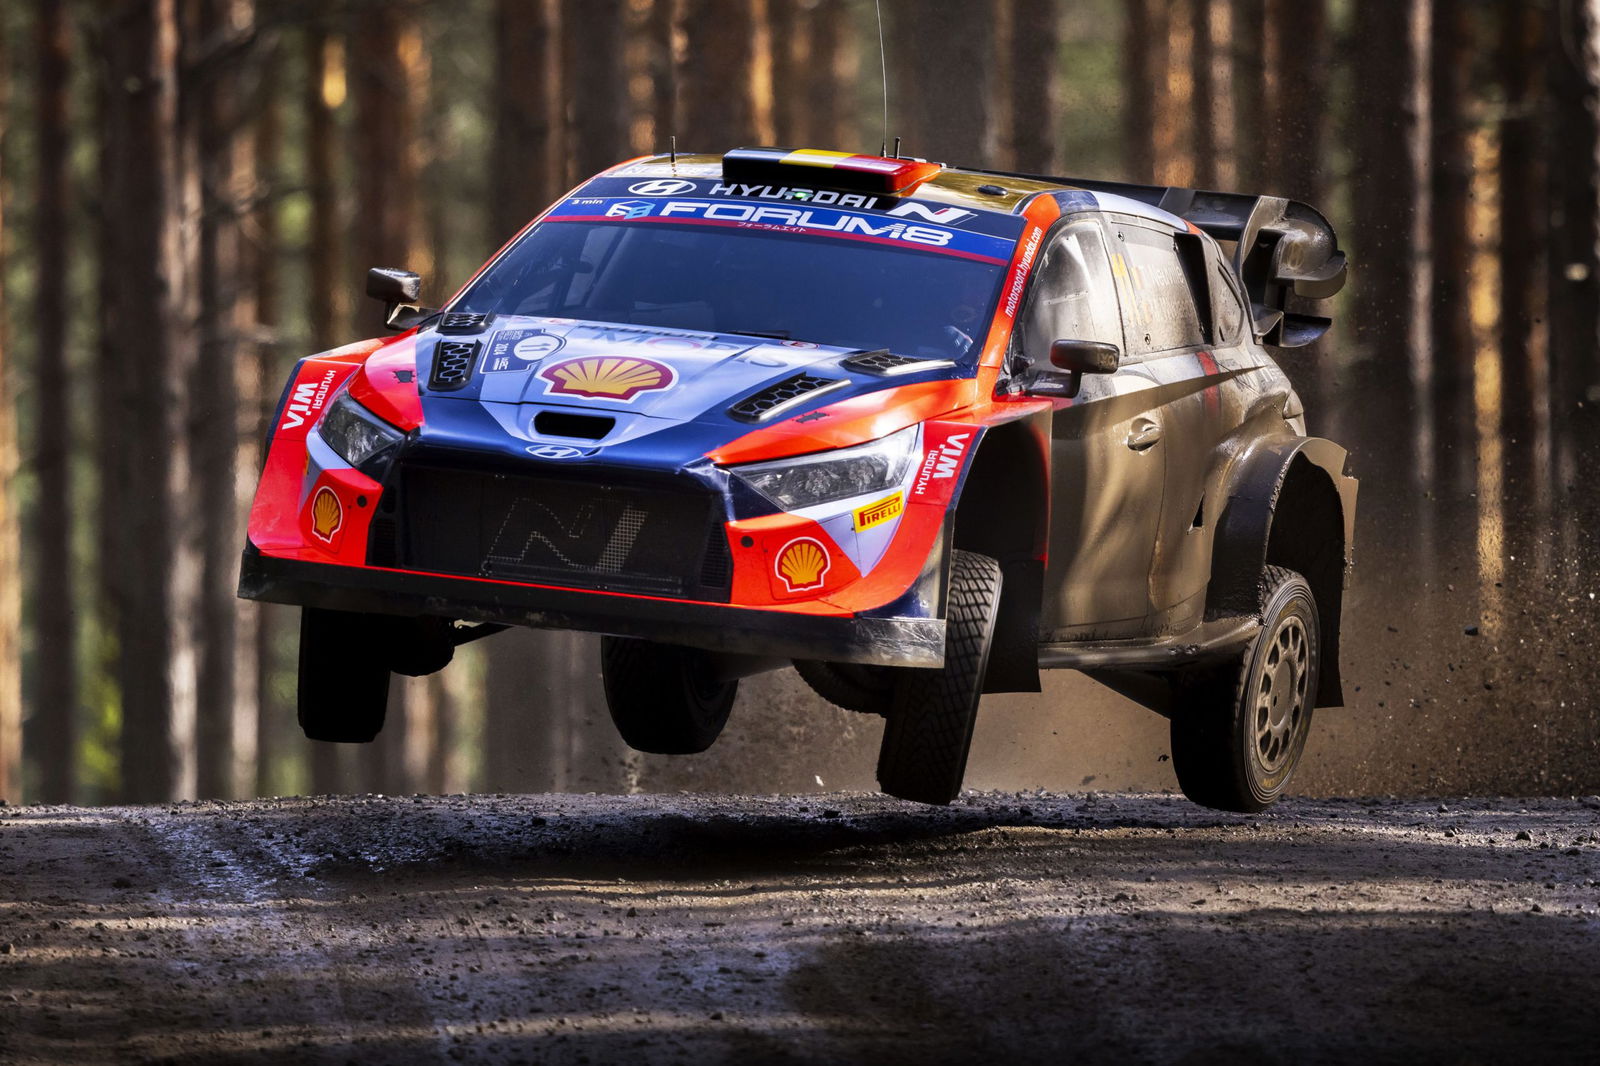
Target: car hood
x=562, y=389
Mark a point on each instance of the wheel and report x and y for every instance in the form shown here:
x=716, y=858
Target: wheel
x=929, y=726
x=1238, y=729
x=665, y=700
x=867, y=689
x=344, y=676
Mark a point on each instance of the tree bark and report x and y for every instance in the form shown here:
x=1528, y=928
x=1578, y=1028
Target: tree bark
x=1297, y=37
x=828, y=120
x=596, y=103
x=1144, y=77
x=148, y=356
x=226, y=706
x=10, y=554
x=789, y=47
x=661, y=33
x=1214, y=166
x=1035, y=40
x=1248, y=49
x=715, y=108
x=1524, y=220
x=1450, y=235
x=942, y=86
x=1574, y=194
x=53, y=731
x=522, y=178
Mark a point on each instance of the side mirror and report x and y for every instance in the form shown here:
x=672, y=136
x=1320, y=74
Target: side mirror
x=400, y=292
x=1069, y=361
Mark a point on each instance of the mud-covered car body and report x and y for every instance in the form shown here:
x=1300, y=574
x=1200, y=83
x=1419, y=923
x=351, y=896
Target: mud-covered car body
x=752, y=403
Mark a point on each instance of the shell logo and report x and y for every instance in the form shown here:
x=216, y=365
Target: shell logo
x=803, y=564
x=327, y=514
x=609, y=377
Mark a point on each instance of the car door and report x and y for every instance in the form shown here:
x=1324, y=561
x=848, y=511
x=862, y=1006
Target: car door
x=1107, y=467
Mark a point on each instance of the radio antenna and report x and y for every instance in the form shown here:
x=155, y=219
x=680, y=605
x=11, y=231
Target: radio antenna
x=672, y=143
x=883, y=68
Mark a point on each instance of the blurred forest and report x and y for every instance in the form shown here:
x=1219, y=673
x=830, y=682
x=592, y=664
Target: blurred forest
x=192, y=190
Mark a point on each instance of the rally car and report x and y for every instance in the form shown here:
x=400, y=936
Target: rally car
x=919, y=431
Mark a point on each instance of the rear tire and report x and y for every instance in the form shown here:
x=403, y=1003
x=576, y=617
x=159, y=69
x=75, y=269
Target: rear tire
x=1239, y=729
x=852, y=686
x=930, y=722
x=664, y=699
x=344, y=676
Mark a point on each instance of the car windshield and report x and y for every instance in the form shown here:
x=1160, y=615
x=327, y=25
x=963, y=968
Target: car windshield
x=718, y=279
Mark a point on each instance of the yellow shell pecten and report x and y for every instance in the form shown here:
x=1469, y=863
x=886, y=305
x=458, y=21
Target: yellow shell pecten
x=326, y=514
x=802, y=564
x=616, y=377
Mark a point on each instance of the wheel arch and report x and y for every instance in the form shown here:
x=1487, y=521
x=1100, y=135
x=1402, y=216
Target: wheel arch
x=1003, y=512
x=1289, y=504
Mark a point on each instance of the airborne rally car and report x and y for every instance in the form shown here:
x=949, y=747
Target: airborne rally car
x=919, y=431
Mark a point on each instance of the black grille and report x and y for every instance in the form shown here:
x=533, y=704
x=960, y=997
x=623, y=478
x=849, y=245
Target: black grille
x=463, y=322
x=579, y=534
x=774, y=399
x=452, y=365
x=887, y=364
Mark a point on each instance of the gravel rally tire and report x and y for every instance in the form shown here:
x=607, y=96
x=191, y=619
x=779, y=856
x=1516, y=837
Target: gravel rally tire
x=929, y=728
x=866, y=689
x=664, y=699
x=343, y=689
x=1239, y=729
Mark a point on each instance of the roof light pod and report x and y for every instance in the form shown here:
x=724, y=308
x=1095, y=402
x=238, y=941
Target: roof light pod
x=826, y=170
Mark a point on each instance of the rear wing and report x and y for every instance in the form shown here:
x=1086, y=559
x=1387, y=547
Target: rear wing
x=1282, y=249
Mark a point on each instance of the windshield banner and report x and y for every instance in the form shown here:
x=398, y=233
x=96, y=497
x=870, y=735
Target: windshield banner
x=914, y=230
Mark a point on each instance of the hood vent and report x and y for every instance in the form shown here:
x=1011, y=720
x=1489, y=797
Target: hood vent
x=775, y=399
x=463, y=322
x=564, y=424
x=452, y=365
x=885, y=363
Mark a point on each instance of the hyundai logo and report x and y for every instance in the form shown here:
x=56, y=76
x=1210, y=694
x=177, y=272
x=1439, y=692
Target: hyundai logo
x=661, y=187
x=559, y=451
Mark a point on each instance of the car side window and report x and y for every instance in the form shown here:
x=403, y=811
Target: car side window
x=1073, y=296
x=1230, y=312
x=1158, y=303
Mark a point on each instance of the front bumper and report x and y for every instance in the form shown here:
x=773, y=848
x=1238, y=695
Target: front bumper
x=877, y=641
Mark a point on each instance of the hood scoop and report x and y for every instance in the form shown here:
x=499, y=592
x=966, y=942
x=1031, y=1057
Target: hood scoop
x=566, y=424
x=778, y=398
x=886, y=364
x=464, y=322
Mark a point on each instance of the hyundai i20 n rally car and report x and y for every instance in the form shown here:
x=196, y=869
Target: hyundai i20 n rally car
x=919, y=431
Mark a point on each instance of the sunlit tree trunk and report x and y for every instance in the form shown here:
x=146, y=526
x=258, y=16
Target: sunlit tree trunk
x=10, y=562
x=660, y=33
x=522, y=179
x=147, y=352
x=1524, y=224
x=715, y=109
x=1248, y=49
x=53, y=731
x=789, y=47
x=1144, y=78
x=828, y=120
x=1034, y=39
x=1453, y=111
x=1213, y=95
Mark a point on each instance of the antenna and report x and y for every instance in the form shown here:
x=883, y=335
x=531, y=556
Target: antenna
x=897, y=147
x=672, y=147
x=883, y=67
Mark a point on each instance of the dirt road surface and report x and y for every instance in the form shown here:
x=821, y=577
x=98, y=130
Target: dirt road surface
x=599, y=929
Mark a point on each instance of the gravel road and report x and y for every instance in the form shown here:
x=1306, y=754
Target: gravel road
x=1120, y=928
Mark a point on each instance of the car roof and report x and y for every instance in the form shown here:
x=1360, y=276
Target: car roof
x=957, y=186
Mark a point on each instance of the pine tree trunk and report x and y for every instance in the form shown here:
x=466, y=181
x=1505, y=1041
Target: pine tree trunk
x=226, y=707
x=1248, y=50
x=1524, y=222
x=53, y=729
x=1452, y=45
x=10, y=555
x=1214, y=165
x=660, y=33
x=1035, y=39
x=596, y=103
x=828, y=117
x=1575, y=203
x=715, y=109
x=148, y=356
x=522, y=174
x=1144, y=77
x=942, y=101
x=789, y=48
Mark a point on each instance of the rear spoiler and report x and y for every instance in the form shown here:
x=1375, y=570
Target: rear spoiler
x=1283, y=248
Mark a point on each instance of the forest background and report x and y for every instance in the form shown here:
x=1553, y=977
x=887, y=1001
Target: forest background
x=192, y=190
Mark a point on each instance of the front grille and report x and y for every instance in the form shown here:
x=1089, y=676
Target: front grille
x=579, y=534
x=452, y=365
x=463, y=322
x=775, y=399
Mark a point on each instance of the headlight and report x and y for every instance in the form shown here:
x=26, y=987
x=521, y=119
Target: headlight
x=835, y=475
x=360, y=437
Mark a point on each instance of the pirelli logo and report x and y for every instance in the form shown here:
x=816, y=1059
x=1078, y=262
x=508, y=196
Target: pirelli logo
x=875, y=514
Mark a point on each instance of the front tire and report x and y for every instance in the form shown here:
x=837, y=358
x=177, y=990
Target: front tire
x=1238, y=730
x=664, y=699
x=344, y=676
x=929, y=728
